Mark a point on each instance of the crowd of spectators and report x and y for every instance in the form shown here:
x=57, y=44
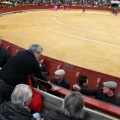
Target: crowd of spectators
x=96, y=3
x=105, y=94
x=16, y=70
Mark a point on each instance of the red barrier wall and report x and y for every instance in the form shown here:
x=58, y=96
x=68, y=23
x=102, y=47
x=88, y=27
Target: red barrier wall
x=27, y=7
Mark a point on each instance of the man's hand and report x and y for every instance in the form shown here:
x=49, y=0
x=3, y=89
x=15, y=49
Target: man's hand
x=40, y=119
x=54, y=88
x=76, y=87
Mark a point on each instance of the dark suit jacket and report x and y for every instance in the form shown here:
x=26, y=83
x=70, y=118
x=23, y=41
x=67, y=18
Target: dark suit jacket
x=64, y=83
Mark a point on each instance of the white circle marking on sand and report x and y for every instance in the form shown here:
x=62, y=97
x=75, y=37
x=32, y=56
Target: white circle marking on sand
x=78, y=37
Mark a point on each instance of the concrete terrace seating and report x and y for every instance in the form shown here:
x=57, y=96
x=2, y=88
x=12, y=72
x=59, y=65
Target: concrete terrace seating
x=52, y=102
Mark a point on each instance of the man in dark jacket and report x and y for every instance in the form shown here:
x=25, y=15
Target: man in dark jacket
x=72, y=109
x=18, y=68
x=17, y=108
x=106, y=94
x=60, y=80
x=4, y=56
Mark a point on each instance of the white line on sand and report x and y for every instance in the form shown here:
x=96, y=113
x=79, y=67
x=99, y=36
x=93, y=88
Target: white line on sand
x=84, y=29
x=78, y=37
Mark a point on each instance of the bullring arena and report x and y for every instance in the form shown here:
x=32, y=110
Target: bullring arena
x=90, y=40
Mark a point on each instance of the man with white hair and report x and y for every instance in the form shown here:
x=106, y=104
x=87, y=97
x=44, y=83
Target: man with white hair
x=105, y=94
x=60, y=80
x=17, y=108
x=17, y=69
x=72, y=109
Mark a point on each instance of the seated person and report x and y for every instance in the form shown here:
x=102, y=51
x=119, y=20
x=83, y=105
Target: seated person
x=82, y=82
x=59, y=79
x=4, y=56
x=17, y=108
x=105, y=94
x=72, y=109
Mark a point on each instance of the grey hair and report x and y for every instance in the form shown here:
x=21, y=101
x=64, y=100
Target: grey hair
x=72, y=105
x=35, y=47
x=20, y=94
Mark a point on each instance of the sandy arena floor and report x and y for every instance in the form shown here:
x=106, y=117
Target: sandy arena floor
x=90, y=40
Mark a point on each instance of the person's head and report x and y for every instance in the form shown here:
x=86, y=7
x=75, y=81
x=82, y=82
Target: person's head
x=21, y=95
x=36, y=50
x=83, y=80
x=72, y=105
x=59, y=74
x=109, y=88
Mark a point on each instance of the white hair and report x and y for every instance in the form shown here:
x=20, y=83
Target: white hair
x=20, y=94
x=35, y=47
x=73, y=105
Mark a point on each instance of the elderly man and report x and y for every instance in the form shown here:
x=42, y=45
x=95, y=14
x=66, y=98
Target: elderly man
x=60, y=80
x=17, y=108
x=72, y=109
x=17, y=69
x=106, y=94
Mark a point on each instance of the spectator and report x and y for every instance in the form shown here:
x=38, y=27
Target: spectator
x=72, y=108
x=17, y=69
x=4, y=56
x=60, y=80
x=17, y=108
x=106, y=94
x=82, y=82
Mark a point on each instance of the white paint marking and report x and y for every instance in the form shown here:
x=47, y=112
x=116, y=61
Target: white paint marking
x=82, y=38
x=78, y=37
x=84, y=29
